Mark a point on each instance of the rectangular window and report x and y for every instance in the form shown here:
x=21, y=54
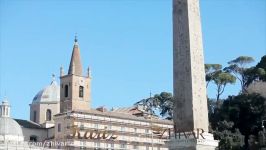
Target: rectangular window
x=33, y=138
x=97, y=145
x=135, y=130
x=81, y=91
x=59, y=127
x=66, y=90
x=35, y=116
x=82, y=126
x=82, y=144
x=110, y=127
x=122, y=137
x=96, y=126
x=135, y=147
x=122, y=129
x=147, y=131
x=123, y=146
x=147, y=148
x=110, y=146
x=4, y=112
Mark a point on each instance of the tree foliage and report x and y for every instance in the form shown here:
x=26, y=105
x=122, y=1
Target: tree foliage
x=253, y=74
x=238, y=67
x=262, y=63
x=229, y=138
x=162, y=102
x=256, y=73
x=221, y=79
x=233, y=120
x=245, y=111
x=242, y=61
x=211, y=70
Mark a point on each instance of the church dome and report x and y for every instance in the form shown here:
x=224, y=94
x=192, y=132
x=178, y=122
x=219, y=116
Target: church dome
x=10, y=130
x=50, y=93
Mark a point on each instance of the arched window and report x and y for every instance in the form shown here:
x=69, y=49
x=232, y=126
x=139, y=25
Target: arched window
x=33, y=138
x=34, y=116
x=81, y=91
x=48, y=115
x=66, y=90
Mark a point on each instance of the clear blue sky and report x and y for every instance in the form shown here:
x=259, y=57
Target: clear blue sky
x=127, y=44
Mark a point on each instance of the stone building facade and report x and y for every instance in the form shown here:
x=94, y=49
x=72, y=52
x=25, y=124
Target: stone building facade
x=45, y=104
x=95, y=129
x=60, y=114
x=80, y=126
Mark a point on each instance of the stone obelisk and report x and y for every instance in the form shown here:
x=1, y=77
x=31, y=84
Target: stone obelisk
x=190, y=100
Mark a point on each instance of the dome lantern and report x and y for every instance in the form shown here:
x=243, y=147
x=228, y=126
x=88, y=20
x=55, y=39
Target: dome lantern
x=10, y=130
x=5, y=108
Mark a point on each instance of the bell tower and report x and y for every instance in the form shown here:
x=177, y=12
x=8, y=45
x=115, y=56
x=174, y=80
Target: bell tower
x=75, y=89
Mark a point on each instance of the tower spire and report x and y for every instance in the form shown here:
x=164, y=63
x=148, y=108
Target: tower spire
x=81, y=89
x=75, y=66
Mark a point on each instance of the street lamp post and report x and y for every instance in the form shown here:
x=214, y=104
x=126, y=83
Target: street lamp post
x=262, y=138
x=151, y=125
x=262, y=125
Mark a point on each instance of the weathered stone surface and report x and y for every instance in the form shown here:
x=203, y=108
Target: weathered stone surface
x=191, y=143
x=190, y=107
x=75, y=67
x=190, y=98
x=77, y=86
